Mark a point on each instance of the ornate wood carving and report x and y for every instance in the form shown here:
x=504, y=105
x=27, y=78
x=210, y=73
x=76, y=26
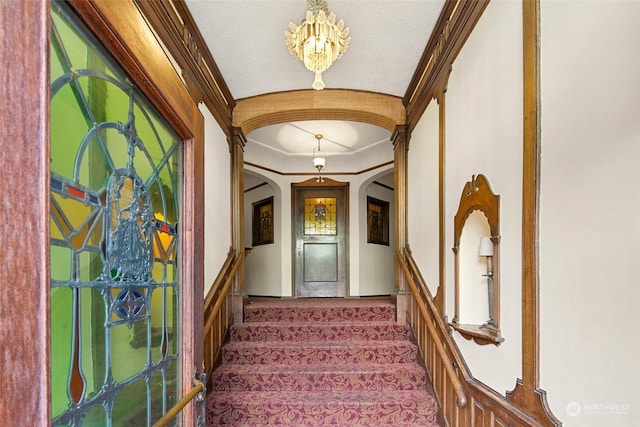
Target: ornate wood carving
x=454, y=25
x=175, y=26
x=477, y=195
x=478, y=335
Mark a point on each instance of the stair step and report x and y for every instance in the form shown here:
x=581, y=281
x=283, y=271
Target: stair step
x=322, y=408
x=320, y=312
x=319, y=331
x=319, y=352
x=320, y=425
x=306, y=378
x=320, y=362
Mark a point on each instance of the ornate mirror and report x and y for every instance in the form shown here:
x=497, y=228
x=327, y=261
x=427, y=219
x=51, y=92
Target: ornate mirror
x=477, y=259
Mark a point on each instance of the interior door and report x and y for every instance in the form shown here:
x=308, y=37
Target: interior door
x=320, y=239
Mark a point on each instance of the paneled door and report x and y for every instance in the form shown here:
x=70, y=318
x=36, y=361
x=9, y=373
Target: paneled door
x=320, y=213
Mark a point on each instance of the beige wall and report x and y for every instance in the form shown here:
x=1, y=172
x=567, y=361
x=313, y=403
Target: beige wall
x=590, y=211
x=423, y=221
x=376, y=261
x=279, y=255
x=217, y=187
x=263, y=266
x=589, y=203
x=484, y=136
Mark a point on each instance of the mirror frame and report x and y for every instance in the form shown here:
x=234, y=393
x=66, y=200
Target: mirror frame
x=477, y=195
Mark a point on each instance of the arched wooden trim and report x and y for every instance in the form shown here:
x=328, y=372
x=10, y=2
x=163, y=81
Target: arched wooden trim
x=478, y=196
x=330, y=104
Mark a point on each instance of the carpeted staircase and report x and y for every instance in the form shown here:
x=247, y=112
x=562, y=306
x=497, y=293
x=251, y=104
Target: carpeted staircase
x=319, y=362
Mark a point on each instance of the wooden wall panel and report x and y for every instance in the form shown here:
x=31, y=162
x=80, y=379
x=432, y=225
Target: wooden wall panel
x=24, y=214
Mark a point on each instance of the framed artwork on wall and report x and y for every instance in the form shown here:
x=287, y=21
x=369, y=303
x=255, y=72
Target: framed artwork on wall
x=262, y=223
x=377, y=221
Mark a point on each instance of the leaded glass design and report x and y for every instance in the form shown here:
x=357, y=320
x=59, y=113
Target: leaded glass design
x=262, y=224
x=320, y=216
x=377, y=221
x=115, y=287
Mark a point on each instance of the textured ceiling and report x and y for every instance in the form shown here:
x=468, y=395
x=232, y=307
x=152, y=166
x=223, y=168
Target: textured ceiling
x=246, y=39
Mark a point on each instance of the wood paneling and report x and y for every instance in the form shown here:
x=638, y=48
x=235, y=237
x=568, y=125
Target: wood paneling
x=174, y=24
x=527, y=395
x=330, y=104
x=24, y=213
x=400, y=178
x=457, y=20
x=463, y=400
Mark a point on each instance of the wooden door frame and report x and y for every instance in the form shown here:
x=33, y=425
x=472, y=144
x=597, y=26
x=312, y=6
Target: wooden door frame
x=314, y=184
x=124, y=32
x=24, y=155
x=25, y=158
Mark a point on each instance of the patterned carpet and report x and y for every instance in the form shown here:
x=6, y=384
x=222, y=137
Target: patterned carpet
x=320, y=362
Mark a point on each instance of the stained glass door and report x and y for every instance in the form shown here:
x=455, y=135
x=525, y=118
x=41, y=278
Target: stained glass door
x=115, y=210
x=320, y=236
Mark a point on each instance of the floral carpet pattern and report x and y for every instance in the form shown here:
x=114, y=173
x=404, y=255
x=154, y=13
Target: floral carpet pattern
x=328, y=362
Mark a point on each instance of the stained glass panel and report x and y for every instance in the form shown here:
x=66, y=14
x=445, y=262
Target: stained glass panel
x=377, y=221
x=262, y=222
x=115, y=192
x=320, y=214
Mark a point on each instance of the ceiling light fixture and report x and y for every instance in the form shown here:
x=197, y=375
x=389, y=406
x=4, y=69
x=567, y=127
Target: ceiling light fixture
x=319, y=41
x=318, y=159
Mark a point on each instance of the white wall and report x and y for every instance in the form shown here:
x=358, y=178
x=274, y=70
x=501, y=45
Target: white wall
x=423, y=219
x=589, y=200
x=282, y=259
x=376, y=261
x=263, y=271
x=484, y=135
x=590, y=211
x=474, y=295
x=217, y=187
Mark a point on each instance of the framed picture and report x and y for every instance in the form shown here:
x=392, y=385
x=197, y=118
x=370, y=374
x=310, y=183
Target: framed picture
x=377, y=221
x=262, y=223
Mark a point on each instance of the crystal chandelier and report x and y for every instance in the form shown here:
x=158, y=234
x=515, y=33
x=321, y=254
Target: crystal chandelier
x=319, y=41
x=318, y=159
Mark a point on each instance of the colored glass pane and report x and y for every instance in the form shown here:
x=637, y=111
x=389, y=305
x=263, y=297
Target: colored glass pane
x=60, y=263
x=95, y=417
x=93, y=330
x=320, y=216
x=115, y=167
x=61, y=346
x=130, y=405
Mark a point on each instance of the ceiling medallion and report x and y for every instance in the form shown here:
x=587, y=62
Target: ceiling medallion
x=319, y=41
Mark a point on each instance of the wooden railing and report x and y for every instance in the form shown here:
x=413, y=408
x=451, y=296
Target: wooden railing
x=426, y=329
x=197, y=392
x=464, y=401
x=218, y=310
